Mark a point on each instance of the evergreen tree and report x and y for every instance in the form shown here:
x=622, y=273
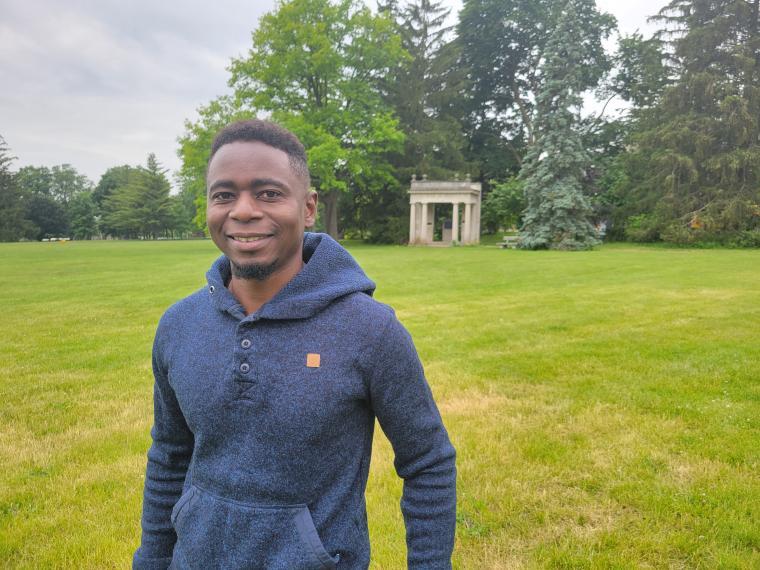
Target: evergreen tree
x=423, y=90
x=143, y=207
x=156, y=213
x=557, y=214
x=692, y=174
x=13, y=223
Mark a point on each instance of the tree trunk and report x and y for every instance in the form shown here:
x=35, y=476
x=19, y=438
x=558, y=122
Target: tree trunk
x=330, y=200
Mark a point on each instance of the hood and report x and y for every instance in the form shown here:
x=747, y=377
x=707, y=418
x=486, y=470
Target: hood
x=329, y=272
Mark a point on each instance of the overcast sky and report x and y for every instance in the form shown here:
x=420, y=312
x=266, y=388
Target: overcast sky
x=98, y=83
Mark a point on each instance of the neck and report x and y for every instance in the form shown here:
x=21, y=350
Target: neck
x=253, y=293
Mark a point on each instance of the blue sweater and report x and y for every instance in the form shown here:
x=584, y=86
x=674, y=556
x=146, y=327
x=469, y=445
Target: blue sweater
x=264, y=422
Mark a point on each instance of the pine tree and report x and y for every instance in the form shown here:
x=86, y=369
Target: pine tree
x=424, y=90
x=157, y=215
x=693, y=173
x=13, y=224
x=557, y=215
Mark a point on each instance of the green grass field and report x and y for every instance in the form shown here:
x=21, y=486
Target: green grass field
x=605, y=405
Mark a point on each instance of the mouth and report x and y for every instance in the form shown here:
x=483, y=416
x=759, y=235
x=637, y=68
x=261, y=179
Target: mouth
x=249, y=238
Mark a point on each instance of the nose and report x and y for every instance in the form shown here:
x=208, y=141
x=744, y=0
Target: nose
x=246, y=208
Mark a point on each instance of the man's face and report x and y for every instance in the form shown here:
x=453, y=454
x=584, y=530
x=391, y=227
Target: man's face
x=257, y=208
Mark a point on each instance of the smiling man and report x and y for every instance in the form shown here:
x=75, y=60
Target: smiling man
x=267, y=385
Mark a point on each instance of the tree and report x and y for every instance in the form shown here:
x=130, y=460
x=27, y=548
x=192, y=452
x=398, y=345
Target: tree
x=503, y=205
x=82, y=212
x=692, y=173
x=557, y=212
x=48, y=215
x=114, y=177
x=422, y=92
x=13, y=224
x=143, y=207
x=195, y=146
x=317, y=67
x=35, y=180
x=504, y=45
x=66, y=183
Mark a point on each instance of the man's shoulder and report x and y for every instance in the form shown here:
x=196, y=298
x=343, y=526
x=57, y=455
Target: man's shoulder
x=364, y=308
x=189, y=307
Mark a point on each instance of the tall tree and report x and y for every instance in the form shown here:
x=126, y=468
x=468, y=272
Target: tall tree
x=424, y=89
x=66, y=182
x=13, y=224
x=143, y=207
x=692, y=174
x=316, y=66
x=49, y=216
x=82, y=216
x=35, y=180
x=557, y=214
x=503, y=45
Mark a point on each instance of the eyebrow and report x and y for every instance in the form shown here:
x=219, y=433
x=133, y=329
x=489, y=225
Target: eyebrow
x=252, y=185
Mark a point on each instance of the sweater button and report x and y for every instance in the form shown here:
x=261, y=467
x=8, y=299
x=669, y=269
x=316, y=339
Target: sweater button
x=245, y=343
x=245, y=367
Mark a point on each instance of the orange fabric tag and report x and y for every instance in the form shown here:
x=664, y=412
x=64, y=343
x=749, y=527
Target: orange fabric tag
x=312, y=360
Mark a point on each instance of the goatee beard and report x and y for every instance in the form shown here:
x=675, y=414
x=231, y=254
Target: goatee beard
x=257, y=271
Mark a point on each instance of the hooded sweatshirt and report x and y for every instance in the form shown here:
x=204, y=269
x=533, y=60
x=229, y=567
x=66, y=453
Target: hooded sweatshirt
x=264, y=422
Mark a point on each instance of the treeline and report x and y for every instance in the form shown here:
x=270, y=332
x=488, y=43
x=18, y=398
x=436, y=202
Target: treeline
x=379, y=94
x=37, y=202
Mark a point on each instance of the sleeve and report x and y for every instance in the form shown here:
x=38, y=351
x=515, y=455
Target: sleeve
x=168, y=461
x=424, y=457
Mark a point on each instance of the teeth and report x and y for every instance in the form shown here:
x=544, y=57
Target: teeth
x=248, y=239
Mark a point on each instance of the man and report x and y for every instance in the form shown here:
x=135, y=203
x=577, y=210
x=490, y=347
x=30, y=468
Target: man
x=267, y=385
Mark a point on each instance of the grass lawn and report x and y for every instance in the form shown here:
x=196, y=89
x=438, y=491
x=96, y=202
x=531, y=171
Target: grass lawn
x=605, y=405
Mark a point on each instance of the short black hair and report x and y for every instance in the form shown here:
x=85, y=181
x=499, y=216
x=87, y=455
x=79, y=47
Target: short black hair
x=269, y=133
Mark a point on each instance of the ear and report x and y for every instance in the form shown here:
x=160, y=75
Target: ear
x=310, y=207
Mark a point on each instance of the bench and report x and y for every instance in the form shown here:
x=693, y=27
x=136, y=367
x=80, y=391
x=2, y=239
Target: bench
x=510, y=242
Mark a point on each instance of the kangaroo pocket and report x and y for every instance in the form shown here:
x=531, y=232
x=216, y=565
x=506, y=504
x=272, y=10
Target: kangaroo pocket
x=213, y=532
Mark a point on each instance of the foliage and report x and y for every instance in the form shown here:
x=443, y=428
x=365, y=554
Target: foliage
x=141, y=208
x=692, y=168
x=425, y=90
x=317, y=67
x=82, y=216
x=13, y=223
x=557, y=214
x=640, y=74
x=504, y=47
x=503, y=205
x=35, y=180
x=195, y=147
x=66, y=183
x=48, y=216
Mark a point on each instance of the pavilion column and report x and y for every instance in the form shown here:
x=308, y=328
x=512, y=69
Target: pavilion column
x=455, y=222
x=429, y=229
x=412, y=222
x=423, y=224
x=476, y=225
x=467, y=232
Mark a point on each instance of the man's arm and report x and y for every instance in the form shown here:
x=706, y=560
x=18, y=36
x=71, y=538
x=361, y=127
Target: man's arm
x=425, y=458
x=168, y=460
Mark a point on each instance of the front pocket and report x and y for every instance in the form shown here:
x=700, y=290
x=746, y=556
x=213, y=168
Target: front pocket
x=181, y=502
x=214, y=532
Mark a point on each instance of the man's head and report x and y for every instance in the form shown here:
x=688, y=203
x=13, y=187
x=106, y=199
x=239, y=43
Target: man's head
x=258, y=198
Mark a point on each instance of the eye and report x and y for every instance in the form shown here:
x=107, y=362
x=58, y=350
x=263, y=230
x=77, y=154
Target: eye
x=270, y=194
x=222, y=196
